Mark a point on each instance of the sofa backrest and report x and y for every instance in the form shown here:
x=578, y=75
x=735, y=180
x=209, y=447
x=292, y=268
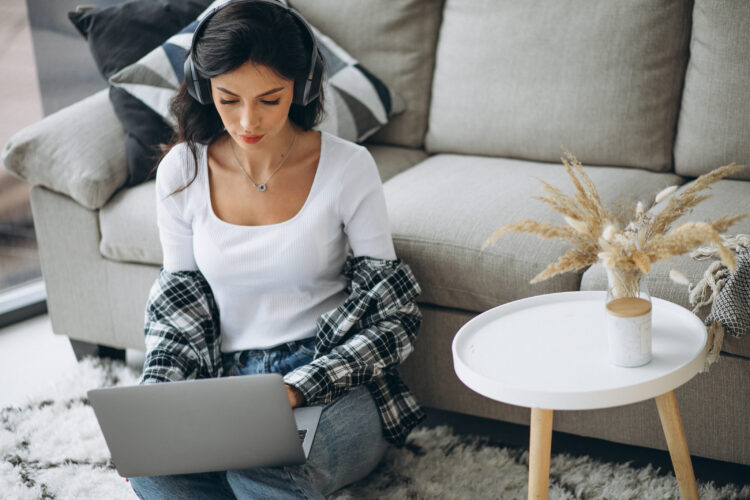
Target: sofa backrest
x=522, y=79
x=395, y=40
x=714, y=124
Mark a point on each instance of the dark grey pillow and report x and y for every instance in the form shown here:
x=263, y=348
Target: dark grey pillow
x=118, y=36
x=121, y=34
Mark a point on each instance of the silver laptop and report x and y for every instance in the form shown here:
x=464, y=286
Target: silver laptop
x=203, y=425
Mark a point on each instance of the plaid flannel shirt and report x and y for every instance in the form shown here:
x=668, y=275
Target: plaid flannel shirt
x=361, y=342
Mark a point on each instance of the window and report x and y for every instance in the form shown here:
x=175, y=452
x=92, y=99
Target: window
x=20, y=105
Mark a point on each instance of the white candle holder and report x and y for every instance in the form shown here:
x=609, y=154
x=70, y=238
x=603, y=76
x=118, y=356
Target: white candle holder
x=628, y=326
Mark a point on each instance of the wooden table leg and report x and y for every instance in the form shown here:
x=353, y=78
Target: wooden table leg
x=669, y=413
x=539, y=453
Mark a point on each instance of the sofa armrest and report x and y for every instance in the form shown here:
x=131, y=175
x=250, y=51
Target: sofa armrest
x=78, y=151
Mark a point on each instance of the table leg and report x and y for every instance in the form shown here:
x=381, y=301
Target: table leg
x=669, y=413
x=539, y=453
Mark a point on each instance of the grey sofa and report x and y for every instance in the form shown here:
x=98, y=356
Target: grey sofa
x=646, y=93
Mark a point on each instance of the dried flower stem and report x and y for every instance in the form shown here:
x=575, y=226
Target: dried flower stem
x=624, y=282
x=677, y=206
x=627, y=248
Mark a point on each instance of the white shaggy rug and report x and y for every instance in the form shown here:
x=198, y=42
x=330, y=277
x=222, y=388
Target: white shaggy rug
x=51, y=448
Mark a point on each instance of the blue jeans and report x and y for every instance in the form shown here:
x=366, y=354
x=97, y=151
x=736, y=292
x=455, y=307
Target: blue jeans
x=348, y=444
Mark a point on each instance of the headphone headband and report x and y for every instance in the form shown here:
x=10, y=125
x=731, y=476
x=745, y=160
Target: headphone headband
x=305, y=91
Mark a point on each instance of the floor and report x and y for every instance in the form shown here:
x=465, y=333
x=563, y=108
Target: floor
x=33, y=357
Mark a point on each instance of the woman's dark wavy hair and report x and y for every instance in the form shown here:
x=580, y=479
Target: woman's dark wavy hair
x=241, y=32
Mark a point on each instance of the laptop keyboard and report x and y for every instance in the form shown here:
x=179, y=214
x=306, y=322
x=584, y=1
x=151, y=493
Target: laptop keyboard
x=302, y=433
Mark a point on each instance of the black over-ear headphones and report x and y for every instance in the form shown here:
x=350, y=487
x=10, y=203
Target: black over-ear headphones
x=305, y=91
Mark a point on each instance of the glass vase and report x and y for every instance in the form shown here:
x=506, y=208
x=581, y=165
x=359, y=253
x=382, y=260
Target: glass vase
x=628, y=318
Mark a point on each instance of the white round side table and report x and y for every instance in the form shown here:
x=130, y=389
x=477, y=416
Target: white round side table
x=549, y=352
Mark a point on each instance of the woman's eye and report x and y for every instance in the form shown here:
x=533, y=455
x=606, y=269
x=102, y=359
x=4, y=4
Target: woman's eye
x=270, y=103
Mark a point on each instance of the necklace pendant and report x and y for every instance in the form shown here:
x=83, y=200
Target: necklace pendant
x=262, y=187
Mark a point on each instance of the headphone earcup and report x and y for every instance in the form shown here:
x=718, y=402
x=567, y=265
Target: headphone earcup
x=199, y=88
x=304, y=94
x=316, y=87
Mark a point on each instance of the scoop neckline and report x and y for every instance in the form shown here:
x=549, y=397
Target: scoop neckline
x=207, y=187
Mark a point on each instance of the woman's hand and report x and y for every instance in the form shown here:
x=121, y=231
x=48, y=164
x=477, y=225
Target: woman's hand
x=295, y=396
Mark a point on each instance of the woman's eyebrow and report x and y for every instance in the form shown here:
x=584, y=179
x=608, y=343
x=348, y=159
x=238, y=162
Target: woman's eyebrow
x=259, y=95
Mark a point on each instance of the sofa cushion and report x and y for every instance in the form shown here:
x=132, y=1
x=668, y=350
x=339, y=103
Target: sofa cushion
x=119, y=35
x=396, y=40
x=147, y=133
x=714, y=124
x=729, y=198
x=357, y=103
x=392, y=160
x=128, y=226
x=520, y=79
x=128, y=222
x=445, y=208
x=56, y=152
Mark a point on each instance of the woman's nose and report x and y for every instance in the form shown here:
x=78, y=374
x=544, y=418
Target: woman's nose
x=250, y=119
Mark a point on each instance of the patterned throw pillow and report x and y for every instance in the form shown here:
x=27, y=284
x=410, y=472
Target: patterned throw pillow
x=357, y=102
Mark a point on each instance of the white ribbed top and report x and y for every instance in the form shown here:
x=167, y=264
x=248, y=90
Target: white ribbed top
x=272, y=282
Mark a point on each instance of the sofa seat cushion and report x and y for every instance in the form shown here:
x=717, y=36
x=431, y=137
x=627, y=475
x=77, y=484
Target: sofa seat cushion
x=128, y=226
x=128, y=222
x=518, y=79
x=445, y=208
x=730, y=198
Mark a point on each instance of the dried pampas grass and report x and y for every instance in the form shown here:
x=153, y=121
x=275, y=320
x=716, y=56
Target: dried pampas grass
x=625, y=245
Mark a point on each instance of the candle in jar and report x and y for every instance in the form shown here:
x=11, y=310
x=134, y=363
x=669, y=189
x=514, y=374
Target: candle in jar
x=629, y=331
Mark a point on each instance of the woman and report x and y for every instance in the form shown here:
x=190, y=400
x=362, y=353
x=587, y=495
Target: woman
x=284, y=231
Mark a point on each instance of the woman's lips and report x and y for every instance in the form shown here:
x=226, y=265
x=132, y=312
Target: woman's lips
x=251, y=139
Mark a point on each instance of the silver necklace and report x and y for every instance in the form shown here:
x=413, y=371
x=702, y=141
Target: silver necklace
x=262, y=187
